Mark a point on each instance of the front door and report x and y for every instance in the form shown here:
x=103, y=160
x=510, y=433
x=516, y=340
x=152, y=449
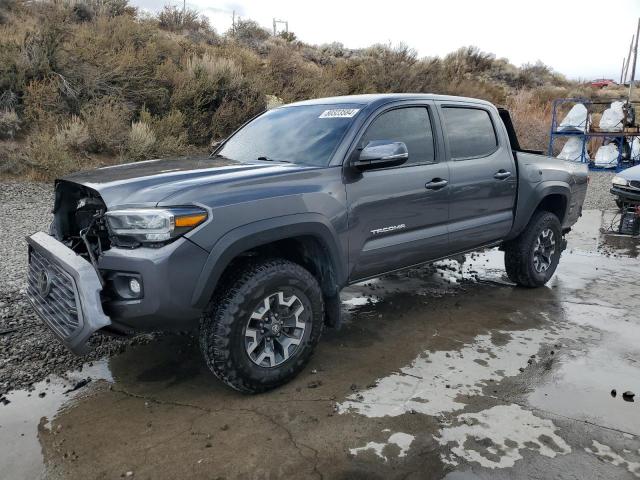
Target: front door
x=398, y=216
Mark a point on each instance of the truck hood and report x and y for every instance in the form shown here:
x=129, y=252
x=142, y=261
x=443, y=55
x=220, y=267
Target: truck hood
x=148, y=183
x=631, y=174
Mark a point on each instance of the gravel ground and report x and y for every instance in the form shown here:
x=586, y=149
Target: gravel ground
x=598, y=195
x=28, y=351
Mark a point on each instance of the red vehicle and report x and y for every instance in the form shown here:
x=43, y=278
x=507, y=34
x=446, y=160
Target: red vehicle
x=602, y=82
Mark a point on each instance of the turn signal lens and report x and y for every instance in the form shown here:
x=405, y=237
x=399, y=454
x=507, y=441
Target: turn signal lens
x=190, y=220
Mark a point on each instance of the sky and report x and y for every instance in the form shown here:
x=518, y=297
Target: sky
x=583, y=39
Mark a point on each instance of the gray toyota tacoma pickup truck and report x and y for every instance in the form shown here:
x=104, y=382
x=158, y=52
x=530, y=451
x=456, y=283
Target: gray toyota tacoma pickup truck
x=253, y=243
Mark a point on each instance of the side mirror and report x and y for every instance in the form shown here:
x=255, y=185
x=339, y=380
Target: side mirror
x=381, y=154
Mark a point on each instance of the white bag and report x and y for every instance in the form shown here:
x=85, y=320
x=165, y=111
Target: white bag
x=612, y=118
x=572, y=150
x=607, y=156
x=576, y=119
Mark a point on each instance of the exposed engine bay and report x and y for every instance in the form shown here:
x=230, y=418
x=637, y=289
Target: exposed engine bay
x=79, y=222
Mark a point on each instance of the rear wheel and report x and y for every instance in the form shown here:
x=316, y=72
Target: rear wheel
x=261, y=328
x=532, y=258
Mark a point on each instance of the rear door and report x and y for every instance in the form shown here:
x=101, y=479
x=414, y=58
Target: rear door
x=398, y=216
x=483, y=177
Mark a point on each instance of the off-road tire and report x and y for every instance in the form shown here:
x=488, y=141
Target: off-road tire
x=519, y=253
x=223, y=324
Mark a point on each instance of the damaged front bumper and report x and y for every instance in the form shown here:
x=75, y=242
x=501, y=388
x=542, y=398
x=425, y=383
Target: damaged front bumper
x=64, y=290
x=626, y=194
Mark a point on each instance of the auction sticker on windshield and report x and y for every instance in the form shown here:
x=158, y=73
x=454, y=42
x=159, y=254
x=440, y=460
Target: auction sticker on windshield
x=339, y=113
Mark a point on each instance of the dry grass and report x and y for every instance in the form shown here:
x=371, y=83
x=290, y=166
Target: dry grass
x=531, y=119
x=75, y=74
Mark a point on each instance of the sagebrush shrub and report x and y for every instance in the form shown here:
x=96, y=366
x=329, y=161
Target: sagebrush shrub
x=141, y=141
x=49, y=155
x=9, y=124
x=107, y=120
x=78, y=69
x=13, y=160
x=43, y=104
x=74, y=134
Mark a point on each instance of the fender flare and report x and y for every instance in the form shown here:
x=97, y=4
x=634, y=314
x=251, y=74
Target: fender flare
x=529, y=201
x=263, y=232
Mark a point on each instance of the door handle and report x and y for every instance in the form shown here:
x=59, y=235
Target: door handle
x=501, y=174
x=436, y=184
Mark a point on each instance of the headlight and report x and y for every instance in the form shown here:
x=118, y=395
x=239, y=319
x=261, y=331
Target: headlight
x=617, y=180
x=153, y=225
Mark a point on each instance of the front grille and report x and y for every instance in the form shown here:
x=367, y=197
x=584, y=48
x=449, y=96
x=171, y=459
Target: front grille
x=635, y=184
x=53, y=294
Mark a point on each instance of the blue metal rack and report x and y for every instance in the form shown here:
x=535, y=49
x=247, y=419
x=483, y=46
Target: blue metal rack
x=584, y=134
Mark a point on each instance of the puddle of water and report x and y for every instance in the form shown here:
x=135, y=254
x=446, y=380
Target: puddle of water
x=495, y=437
x=438, y=382
x=595, y=232
x=581, y=383
x=28, y=413
x=352, y=301
x=606, y=454
x=401, y=440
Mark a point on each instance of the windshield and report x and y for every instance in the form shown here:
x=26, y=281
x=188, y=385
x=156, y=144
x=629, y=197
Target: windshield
x=307, y=134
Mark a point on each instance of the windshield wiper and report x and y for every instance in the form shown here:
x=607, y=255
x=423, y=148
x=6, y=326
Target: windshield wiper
x=268, y=159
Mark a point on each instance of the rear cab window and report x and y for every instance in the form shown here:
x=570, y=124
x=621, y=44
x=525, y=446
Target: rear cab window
x=470, y=132
x=411, y=125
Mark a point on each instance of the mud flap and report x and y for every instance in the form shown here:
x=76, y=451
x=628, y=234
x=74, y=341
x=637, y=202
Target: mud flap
x=332, y=312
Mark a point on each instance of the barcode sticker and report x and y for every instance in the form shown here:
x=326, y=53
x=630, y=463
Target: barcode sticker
x=339, y=113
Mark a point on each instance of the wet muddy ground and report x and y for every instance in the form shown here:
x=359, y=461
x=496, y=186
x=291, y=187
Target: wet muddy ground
x=447, y=373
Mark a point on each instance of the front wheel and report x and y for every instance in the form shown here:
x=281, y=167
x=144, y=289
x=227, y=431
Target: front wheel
x=532, y=258
x=261, y=328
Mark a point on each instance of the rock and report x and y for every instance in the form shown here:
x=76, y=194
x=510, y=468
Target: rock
x=628, y=396
x=314, y=384
x=224, y=427
x=613, y=392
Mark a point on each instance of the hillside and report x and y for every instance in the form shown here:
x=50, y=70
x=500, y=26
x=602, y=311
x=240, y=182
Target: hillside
x=87, y=83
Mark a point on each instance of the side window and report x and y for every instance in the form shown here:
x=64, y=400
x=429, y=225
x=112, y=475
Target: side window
x=410, y=125
x=470, y=132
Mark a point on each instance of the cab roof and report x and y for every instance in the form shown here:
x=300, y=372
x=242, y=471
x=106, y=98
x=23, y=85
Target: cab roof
x=377, y=99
